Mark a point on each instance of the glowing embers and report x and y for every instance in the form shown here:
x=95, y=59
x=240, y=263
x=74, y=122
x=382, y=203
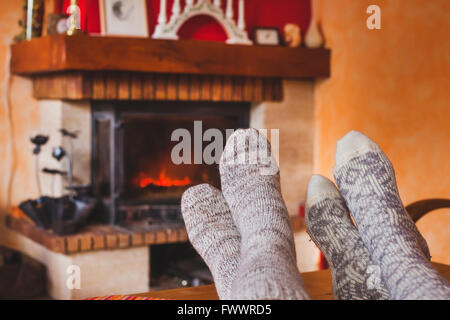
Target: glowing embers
x=143, y=181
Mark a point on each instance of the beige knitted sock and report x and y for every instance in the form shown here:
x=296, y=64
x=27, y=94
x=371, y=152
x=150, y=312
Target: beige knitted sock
x=328, y=223
x=366, y=180
x=268, y=268
x=212, y=233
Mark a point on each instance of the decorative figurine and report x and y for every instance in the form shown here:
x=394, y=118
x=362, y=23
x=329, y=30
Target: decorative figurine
x=292, y=35
x=74, y=19
x=58, y=154
x=38, y=141
x=66, y=214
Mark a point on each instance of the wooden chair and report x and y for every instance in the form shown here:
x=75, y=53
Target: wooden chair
x=420, y=208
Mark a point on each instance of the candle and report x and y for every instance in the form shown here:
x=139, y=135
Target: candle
x=241, y=20
x=229, y=9
x=162, y=13
x=29, y=32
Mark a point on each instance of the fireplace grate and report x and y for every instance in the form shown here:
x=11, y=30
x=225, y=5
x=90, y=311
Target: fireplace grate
x=152, y=213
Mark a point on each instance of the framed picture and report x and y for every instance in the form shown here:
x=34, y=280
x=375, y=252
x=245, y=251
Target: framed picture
x=124, y=17
x=267, y=36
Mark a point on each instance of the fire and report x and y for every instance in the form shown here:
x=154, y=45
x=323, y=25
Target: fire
x=162, y=181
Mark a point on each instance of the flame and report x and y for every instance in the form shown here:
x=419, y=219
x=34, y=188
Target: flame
x=162, y=181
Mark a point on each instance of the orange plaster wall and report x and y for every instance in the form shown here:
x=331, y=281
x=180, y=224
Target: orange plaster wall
x=392, y=84
x=24, y=116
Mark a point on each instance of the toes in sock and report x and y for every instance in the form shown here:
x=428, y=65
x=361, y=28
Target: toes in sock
x=251, y=187
x=212, y=233
x=328, y=223
x=367, y=182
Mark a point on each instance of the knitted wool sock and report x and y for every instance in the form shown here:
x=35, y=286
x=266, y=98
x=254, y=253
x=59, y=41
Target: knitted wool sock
x=328, y=223
x=212, y=233
x=367, y=182
x=268, y=268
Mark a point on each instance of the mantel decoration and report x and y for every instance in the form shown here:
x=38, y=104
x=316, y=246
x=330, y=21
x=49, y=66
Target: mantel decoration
x=314, y=38
x=292, y=35
x=168, y=28
x=31, y=22
x=124, y=18
x=66, y=214
x=267, y=36
x=73, y=22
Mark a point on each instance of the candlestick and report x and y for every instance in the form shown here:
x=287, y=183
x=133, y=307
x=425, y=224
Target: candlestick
x=229, y=9
x=176, y=9
x=162, y=19
x=189, y=4
x=241, y=19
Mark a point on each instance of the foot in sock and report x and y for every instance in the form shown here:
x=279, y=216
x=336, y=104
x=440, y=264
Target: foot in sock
x=328, y=223
x=212, y=233
x=366, y=180
x=267, y=267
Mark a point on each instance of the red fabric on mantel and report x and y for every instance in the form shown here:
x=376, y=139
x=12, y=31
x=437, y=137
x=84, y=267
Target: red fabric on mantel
x=258, y=13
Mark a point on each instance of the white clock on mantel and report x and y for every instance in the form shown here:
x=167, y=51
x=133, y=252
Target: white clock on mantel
x=267, y=36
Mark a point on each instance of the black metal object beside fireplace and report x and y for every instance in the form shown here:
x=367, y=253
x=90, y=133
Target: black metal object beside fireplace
x=132, y=171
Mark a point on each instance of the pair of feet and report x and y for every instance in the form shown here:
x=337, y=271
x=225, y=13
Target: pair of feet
x=245, y=238
x=385, y=257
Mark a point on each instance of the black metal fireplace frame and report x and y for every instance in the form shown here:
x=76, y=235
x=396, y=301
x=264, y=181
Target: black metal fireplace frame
x=115, y=111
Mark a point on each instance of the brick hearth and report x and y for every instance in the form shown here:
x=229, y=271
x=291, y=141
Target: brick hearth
x=100, y=237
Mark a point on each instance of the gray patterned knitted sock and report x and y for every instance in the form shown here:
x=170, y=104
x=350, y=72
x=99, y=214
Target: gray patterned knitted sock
x=328, y=223
x=367, y=182
x=268, y=268
x=212, y=233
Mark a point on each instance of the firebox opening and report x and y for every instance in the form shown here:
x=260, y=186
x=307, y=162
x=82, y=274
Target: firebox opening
x=150, y=175
x=132, y=167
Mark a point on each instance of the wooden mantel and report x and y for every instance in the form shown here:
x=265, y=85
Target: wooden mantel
x=75, y=62
x=89, y=53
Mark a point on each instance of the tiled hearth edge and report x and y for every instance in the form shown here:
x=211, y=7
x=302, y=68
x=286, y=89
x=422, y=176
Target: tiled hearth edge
x=106, y=237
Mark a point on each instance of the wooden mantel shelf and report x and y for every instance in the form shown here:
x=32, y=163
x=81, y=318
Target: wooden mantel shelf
x=118, y=68
x=92, y=53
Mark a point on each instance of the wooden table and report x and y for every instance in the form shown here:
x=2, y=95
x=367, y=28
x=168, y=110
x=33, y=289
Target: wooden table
x=318, y=285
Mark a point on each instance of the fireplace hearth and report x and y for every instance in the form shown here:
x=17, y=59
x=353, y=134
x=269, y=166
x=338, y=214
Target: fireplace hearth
x=132, y=171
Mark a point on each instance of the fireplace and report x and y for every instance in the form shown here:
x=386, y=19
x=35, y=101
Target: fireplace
x=132, y=170
x=121, y=80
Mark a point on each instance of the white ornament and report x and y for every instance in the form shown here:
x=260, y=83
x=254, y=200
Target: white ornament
x=168, y=28
x=241, y=19
x=313, y=38
x=175, y=9
x=162, y=13
x=229, y=13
